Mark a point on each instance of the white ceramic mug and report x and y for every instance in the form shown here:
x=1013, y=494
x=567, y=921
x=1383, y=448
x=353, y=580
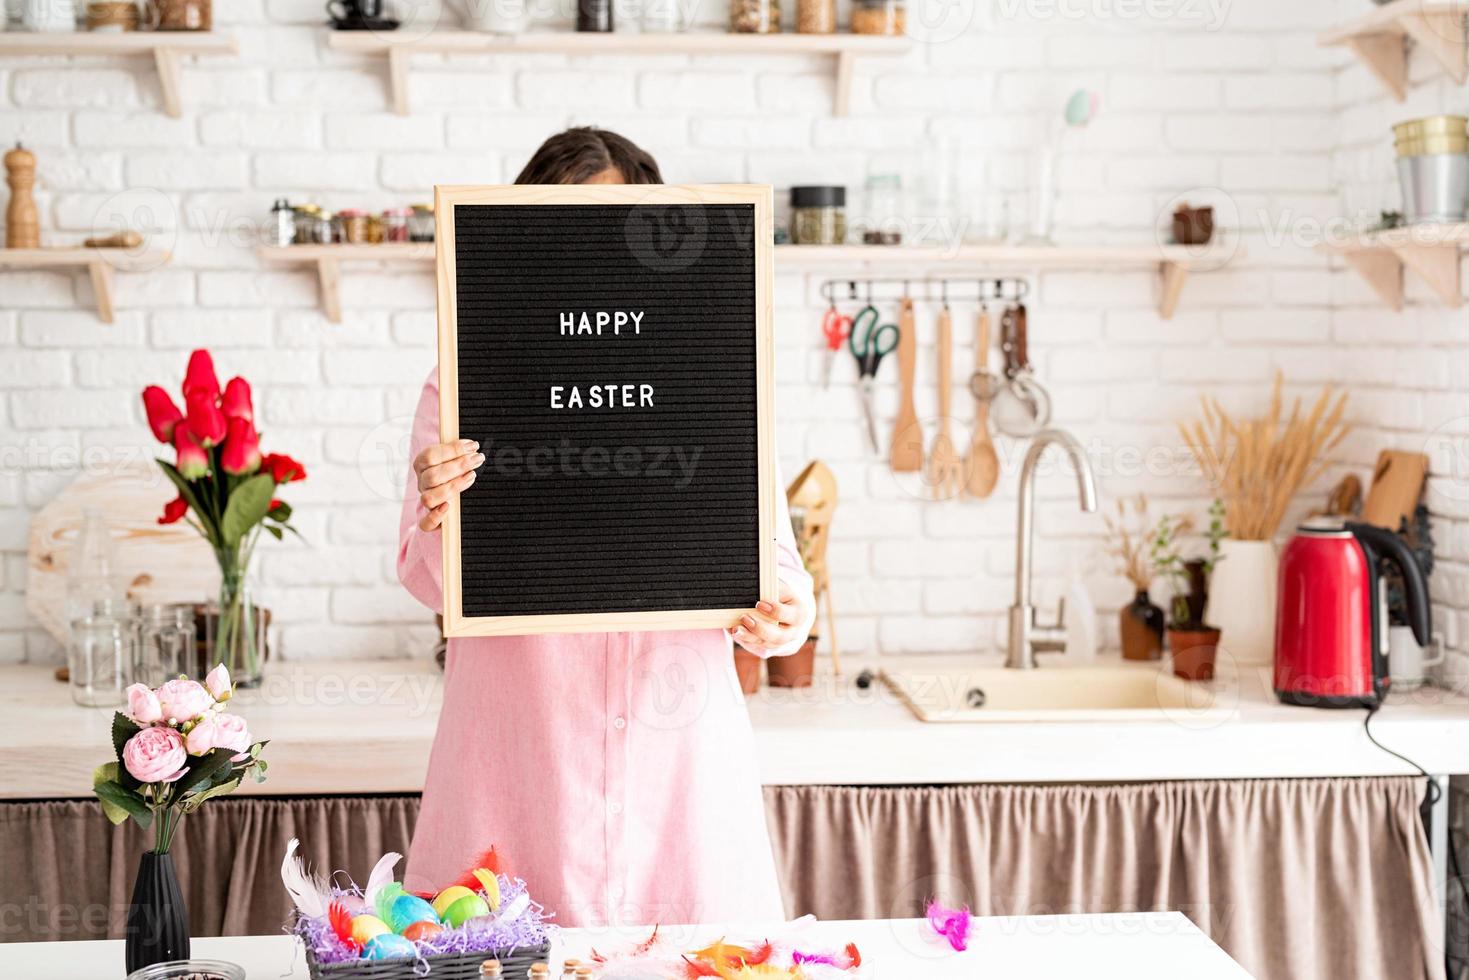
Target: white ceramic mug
x=1407, y=662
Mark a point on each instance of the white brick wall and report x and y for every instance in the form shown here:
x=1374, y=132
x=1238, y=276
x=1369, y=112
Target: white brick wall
x=1190, y=102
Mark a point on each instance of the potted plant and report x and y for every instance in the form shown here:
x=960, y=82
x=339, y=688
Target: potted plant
x=227, y=492
x=175, y=748
x=1142, y=620
x=1193, y=643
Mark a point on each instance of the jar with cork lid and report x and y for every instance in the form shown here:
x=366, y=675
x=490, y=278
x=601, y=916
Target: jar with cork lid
x=491, y=969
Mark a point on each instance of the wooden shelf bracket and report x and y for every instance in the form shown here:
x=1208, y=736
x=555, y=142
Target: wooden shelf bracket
x=1172, y=276
x=1386, y=56
x=1436, y=265
x=1379, y=39
x=1382, y=271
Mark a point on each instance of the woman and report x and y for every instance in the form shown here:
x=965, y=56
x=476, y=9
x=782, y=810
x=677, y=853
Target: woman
x=614, y=771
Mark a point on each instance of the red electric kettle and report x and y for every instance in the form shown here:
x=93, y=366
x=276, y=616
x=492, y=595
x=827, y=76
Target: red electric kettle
x=1331, y=615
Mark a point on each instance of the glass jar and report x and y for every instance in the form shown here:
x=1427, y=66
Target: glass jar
x=421, y=223
x=816, y=16
x=882, y=210
x=879, y=16
x=395, y=224
x=664, y=17
x=307, y=216
x=818, y=215
x=190, y=970
x=353, y=225
x=166, y=648
x=99, y=658
x=754, y=16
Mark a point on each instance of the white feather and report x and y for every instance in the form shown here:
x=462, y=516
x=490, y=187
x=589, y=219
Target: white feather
x=307, y=890
x=382, y=874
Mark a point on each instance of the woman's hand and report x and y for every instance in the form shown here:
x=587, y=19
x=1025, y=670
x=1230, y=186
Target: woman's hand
x=444, y=470
x=773, y=625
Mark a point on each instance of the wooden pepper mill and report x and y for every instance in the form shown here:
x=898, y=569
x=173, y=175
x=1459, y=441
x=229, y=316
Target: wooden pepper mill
x=22, y=219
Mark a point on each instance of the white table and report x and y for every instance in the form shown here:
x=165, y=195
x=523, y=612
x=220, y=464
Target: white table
x=1127, y=946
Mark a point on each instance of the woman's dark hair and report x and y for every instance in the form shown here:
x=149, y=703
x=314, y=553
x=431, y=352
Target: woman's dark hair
x=579, y=154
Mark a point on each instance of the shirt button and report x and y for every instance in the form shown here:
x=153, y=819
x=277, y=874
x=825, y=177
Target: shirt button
x=614, y=808
x=619, y=723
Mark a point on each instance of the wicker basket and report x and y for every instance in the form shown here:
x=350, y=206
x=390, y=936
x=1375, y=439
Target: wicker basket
x=448, y=966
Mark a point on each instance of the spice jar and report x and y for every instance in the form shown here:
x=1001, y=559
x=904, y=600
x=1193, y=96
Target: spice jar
x=305, y=221
x=883, y=212
x=421, y=223
x=816, y=16
x=282, y=227
x=594, y=16
x=879, y=16
x=353, y=225
x=754, y=16
x=395, y=224
x=818, y=215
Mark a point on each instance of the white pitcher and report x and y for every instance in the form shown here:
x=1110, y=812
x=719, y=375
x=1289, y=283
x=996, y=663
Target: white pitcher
x=1242, y=601
x=493, y=16
x=48, y=16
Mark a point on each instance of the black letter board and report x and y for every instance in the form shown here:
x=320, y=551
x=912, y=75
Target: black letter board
x=609, y=347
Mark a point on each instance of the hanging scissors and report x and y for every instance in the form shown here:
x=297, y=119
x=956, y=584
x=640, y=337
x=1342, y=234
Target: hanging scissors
x=869, y=344
x=836, y=328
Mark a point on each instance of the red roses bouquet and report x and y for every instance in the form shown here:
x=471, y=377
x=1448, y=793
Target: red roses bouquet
x=226, y=491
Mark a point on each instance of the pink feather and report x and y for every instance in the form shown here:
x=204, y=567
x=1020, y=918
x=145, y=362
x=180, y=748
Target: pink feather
x=952, y=924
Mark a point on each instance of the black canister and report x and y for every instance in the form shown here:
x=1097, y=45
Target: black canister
x=594, y=16
x=819, y=215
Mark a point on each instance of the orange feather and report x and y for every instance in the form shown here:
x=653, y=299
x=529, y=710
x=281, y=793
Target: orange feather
x=852, y=952
x=490, y=861
x=341, y=922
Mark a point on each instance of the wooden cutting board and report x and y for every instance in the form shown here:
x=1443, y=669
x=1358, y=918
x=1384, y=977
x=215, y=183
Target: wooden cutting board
x=1397, y=483
x=159, y=563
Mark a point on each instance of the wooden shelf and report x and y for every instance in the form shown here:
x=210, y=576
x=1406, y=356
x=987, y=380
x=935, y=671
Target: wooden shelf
x=1379, y=38
x=1173, y=263
x=166, y=48
x=100, y=263
x=843, y=49
x=1431, y=251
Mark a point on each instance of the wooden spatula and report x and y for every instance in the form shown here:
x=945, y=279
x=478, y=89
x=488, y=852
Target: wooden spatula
x=984, y=463
x=945, y=471
x=905, y=455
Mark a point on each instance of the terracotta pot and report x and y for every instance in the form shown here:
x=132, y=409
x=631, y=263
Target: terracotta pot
x=1193, y=226
x=795, y=670
x=1194, y=652
x=1142, y=629
x=747, y=667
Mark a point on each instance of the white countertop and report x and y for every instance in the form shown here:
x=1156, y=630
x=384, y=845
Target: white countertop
x=366, y=727
x=1128, y=946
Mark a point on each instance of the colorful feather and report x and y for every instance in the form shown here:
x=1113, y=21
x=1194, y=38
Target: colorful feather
x=341, y=921
x=695, y=968
x=490, y=861
x=308, y=890
x=382, y=875
x=952, y=924
x=490, y=886
x=853, y=955
x=382, y=902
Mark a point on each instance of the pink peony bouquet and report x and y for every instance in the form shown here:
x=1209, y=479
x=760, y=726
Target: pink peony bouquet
x=176, y=748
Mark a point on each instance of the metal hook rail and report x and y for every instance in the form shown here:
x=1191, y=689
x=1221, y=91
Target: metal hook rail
x=1001, y=289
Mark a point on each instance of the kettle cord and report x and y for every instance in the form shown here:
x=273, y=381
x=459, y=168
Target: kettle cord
x=1434, y=792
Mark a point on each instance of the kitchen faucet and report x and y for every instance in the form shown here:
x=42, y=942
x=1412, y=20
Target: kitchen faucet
x=1027, y=637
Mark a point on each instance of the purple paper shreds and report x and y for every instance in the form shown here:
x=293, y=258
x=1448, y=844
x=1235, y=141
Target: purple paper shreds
x=529, y=926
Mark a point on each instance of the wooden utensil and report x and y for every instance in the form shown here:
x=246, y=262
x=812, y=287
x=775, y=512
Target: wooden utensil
x=1397, y=483
x=984, y=462
x=22, y=218
x=118, y=239
x=905, y=455
x=945, y=471
x=814, y=494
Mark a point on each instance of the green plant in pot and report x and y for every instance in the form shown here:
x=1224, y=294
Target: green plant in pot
x=1193, y=642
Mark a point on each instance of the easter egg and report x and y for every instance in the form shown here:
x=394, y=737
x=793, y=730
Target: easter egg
x=448, y=897
x=387, y=946
x=464, y=908
x=408, y=909
x=365, y=927
x=421, y=930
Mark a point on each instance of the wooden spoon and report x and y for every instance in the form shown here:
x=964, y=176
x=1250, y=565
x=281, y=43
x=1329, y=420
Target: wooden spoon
x=905, y=455
x=984, y=462
x=945, y=472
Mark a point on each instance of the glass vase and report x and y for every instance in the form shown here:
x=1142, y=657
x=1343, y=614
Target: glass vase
x=236, y=626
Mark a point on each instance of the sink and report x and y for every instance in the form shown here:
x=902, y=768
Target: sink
x=943, y=691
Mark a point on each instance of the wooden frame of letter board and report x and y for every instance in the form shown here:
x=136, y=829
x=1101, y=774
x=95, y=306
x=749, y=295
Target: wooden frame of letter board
x=446, y=198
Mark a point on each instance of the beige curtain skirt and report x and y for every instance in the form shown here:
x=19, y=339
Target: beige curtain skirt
x=1312, y=879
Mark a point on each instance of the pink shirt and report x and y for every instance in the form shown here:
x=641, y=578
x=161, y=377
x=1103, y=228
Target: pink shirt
x=614, y=772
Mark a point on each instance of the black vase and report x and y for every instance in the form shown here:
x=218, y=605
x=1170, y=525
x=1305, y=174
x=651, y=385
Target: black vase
x=1142, y=628
x=158, y=921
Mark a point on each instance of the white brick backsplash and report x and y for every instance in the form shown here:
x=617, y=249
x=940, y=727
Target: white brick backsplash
x=1249, y=115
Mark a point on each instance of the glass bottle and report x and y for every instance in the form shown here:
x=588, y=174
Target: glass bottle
x=490, y=969
x=92, y=575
